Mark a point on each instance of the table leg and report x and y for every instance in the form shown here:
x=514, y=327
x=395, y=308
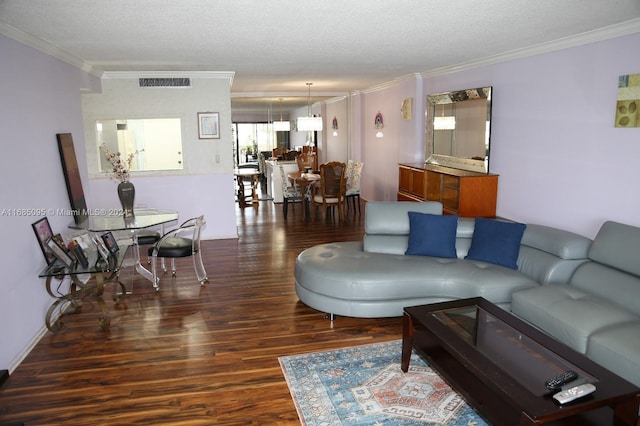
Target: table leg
x=254, y=189
x=241, y=200
x=626, y=412
x=407, y=341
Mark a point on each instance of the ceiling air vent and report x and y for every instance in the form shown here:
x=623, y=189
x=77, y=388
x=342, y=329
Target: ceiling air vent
x=164, y=82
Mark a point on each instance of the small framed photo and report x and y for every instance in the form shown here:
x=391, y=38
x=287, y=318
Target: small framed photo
x=110, y=242
x=60, y=253
x=103, y=251
x=208, y=125
x=42, y=228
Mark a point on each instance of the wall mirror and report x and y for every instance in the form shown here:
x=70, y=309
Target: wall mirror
x=459, y=129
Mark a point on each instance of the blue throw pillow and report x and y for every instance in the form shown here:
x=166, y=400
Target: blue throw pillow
x=496, y=242
x=432, y=235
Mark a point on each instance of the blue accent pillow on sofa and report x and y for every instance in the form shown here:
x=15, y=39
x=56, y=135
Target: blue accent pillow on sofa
x=432, y=235
x=496, y=242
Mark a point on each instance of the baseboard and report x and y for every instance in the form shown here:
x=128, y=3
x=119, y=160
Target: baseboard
x=4, y=375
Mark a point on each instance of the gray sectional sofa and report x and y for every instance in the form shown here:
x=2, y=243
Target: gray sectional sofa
x=582, y=292
x=597, y=312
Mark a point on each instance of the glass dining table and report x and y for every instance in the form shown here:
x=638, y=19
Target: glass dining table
x=107, y=221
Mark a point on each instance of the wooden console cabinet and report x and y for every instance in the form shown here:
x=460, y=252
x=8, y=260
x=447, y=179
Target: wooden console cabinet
x=467, y=194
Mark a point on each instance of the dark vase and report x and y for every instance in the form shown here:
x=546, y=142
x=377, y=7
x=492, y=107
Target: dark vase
x=126, y=193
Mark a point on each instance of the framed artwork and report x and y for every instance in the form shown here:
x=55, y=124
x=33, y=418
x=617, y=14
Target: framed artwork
x=208, y=125
x=110, y=242
x=60, y=253
x=628, y=104
x=42, y=228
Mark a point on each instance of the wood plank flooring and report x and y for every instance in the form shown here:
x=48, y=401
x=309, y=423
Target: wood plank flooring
x=192, y=355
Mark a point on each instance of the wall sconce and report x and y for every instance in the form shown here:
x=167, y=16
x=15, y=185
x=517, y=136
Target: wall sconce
x=334, y=126
x=378, y=123
x=406, y=108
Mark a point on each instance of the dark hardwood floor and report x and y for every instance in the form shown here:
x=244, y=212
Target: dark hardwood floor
x=192, y=355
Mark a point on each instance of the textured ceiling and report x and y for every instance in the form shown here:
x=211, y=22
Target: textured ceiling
x=275, y=47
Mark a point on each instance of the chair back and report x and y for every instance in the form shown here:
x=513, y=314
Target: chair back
x=191, y=226
x=354, y=172
x=285, y=180
x=307, y=159
x=333, y=183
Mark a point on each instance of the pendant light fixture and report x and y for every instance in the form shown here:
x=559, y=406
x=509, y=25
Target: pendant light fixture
x=309, y=123
x=281, y=126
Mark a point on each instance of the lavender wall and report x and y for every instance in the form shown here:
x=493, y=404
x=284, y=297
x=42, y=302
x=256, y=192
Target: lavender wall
x=561, y=160
x=40, y=96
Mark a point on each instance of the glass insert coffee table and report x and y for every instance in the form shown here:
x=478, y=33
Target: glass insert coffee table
x=499, y=364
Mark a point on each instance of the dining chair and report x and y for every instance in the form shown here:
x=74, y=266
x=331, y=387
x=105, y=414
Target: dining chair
x=289, y=193
x=183, y=241
x=331, y=192
x=354, y=172
x=306, y=160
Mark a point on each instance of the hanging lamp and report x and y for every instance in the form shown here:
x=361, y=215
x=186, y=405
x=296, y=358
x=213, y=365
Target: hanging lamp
x=309, y=123
x=281, y=126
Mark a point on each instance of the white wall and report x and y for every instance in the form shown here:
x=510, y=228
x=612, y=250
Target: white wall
x=40, y=96
x=336, y=147
x=560, y=159
x=205, y=186
x=402, y=141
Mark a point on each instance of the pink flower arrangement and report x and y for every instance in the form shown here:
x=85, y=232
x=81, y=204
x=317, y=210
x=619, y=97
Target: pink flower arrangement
x=120, y=169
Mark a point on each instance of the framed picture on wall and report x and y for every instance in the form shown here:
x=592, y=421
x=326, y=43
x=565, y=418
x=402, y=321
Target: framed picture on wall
x=208, y=125
x=42, y=228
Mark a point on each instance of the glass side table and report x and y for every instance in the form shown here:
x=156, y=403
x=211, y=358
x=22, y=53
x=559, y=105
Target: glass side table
x=100, y=274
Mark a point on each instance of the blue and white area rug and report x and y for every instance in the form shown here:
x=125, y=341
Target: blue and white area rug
x=364, y=385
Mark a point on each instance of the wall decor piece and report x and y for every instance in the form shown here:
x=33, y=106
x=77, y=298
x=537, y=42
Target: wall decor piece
x=334, y=123
x=628, y=104
x=208, y=125
x=378, y=121
x=72, y=176
x=406, y=108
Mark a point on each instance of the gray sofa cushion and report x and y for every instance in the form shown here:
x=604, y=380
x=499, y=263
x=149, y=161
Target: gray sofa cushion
x=569, y=314
x=560, y=243
x=387, y=224
x=617, y=245
x=618, y=348
x=610, y=284
x=342, y=271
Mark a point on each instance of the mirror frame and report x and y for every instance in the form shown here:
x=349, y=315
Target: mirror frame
x=480, y=166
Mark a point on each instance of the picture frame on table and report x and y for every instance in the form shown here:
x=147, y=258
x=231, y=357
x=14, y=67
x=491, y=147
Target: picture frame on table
x=79, y=254
x=60, y=253
x=103, y=251
x=110, y=242
x=208, y=125
x=43, y=232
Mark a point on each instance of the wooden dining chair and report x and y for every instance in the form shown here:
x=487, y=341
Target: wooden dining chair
x=306, y=160
x=331, y=192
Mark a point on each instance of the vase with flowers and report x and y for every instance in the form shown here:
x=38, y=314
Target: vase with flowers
x=120, y=171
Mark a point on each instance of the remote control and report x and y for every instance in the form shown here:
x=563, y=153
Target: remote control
x=561, y=379
x=574, y=393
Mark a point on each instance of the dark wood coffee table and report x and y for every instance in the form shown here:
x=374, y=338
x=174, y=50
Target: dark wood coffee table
x=499, y=364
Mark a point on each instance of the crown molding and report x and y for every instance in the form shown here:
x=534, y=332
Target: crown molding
x=48, y=49
x=601, y=34
x=395, y=82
